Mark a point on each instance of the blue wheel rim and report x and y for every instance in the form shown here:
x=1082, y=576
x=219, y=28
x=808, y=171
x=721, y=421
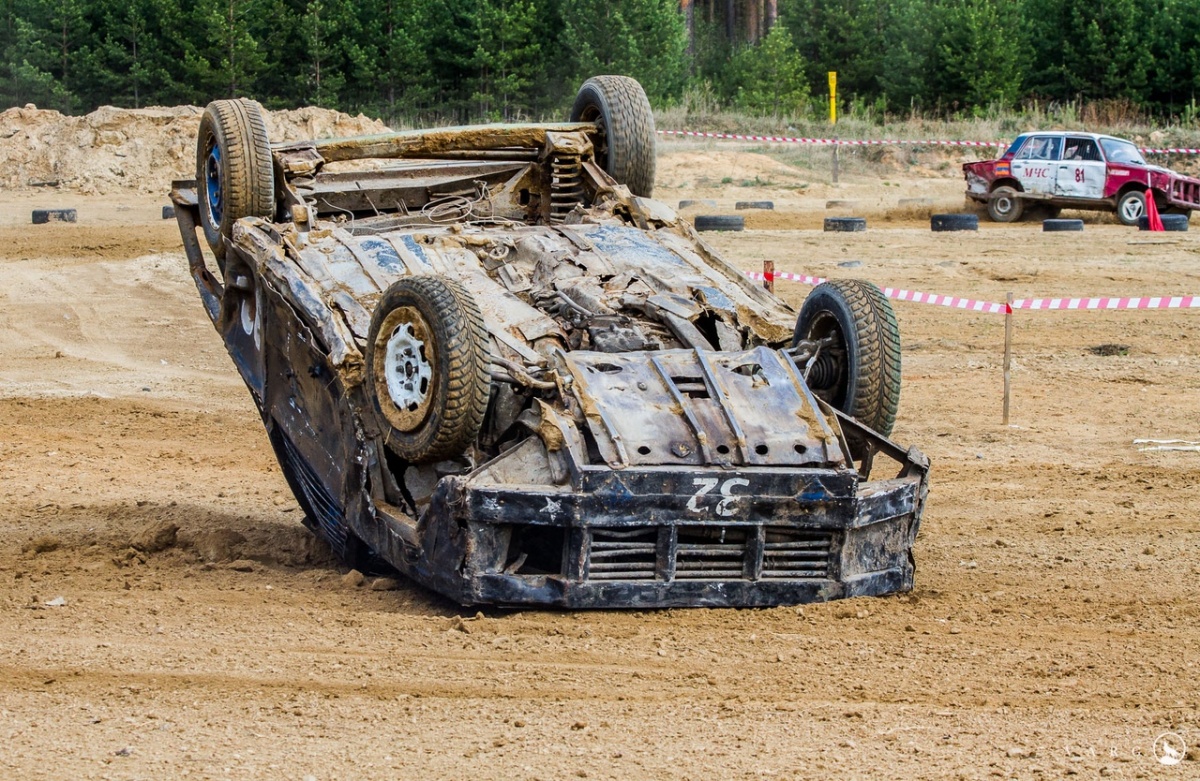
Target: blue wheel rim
x=212, y=181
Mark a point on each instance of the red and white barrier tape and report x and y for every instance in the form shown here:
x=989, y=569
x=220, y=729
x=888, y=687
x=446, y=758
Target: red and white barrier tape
x=879, y=142
x=991, y=307
x=1172, y=151
x=1146, y=302
x=826, y=141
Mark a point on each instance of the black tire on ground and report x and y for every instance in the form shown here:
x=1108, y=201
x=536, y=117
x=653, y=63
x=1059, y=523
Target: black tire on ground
x=43, y=216
x=168, y=212
x=1004, y=206
x=427, y=368
x=694, y=203
x=235, y=176
x=1052, y=226
x=1175, y=222
x=954, y=222
x=845, y=224
x=861, y=374
x=740, y=205
x=626, y=150
x=720, y=222
x=1131, y=207
x=1171, y=222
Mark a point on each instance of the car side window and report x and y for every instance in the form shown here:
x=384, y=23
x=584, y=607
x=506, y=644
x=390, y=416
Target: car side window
x=1082, y=149
x=1041, y=148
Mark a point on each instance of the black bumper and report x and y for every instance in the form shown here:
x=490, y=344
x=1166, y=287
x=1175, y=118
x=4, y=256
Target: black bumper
x=799, y=538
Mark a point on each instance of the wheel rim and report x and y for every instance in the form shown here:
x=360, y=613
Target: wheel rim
x=408, y=369
x=1004, y=205
x=593, y=114
x=212, y=181
x=827, y=376
x=249, y=315
x=1132, y=209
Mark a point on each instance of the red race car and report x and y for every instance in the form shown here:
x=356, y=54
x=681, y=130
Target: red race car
x=1055, y=170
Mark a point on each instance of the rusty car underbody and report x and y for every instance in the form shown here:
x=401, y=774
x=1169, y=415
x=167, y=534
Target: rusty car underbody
x=649, y=440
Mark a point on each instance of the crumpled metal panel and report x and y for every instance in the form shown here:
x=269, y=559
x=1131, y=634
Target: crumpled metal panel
x=691, y=407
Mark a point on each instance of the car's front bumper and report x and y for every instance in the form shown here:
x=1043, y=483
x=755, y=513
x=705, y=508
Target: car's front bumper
x=629, y=540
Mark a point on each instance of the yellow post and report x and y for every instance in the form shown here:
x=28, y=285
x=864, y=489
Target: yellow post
x=833, y=119
x=833, y=97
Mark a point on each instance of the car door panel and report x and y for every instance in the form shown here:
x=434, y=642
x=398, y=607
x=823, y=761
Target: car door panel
x=1082, y=172
x=1036, y=164
x=1080, y=179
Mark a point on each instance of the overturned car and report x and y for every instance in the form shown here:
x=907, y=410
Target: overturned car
x=486, y=357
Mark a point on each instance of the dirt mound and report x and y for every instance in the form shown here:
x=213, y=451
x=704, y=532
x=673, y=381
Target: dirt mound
x=115, y=149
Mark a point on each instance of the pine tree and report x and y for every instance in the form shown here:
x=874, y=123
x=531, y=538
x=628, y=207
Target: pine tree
x=325, y=27
x=971, y=65
x=1175, y=78
x=770, y=77
x=506, y=57
x=645, y=39
x=137, y=55
x=223, y=57
x=1106, y=49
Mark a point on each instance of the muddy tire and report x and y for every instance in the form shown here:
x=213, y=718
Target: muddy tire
x=861, y=374
x=1170, y=222
x=44, y=216
x=845, y=224
x=720, y=222
x=942, y=223
x=427, y=368
x=1130, y=207
x=1004, y=205
x=741, y=205
x=235, y=177
x=626, y=147
x=1058, y=226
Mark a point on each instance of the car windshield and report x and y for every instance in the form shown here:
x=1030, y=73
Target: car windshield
x=1119, y=151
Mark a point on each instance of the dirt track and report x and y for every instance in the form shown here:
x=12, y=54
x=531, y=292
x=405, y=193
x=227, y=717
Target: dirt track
x=1052, y=631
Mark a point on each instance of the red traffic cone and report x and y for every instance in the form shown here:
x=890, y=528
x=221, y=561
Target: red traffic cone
x=1155, y=222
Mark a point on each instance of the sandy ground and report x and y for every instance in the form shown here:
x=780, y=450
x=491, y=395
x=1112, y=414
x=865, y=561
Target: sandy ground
x=1052, y=632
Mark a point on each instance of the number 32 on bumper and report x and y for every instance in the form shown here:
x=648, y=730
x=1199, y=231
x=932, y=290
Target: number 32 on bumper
x=726, y=504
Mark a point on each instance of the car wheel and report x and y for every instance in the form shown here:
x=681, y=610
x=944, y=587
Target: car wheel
x=860, y=373
x=1131, y=206
x=427, y=368
x=1004, y=205
x=235, y=177
x=619, y=105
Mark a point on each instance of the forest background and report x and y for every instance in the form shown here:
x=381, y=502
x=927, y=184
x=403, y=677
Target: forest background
x=422, y=61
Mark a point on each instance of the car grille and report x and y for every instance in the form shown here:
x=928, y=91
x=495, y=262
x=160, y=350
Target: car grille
x=710, y=560
x=794, y=553
x=623, y=555
x=708, y=553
